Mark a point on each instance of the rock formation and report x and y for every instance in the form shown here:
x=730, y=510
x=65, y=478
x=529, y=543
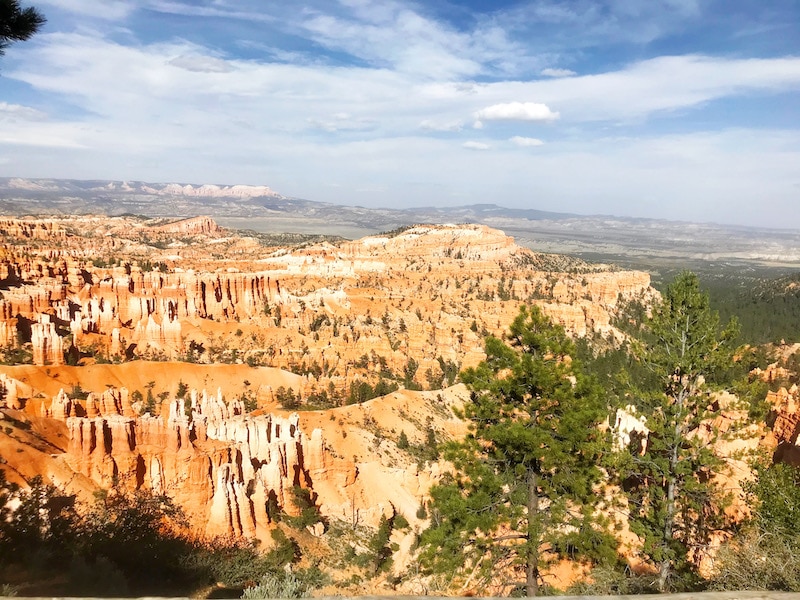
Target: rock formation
x=343, y=313
x=396, y=309
x=48, y=346
x=9, y=392
x=212, y=191
x=223, y=467
x=193, y=226
x=786, y=406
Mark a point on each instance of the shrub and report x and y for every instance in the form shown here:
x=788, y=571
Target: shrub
x=403, y=442
x=99, y=577
x=273, y=585
x=766, y=554
x=400, y=522
x=758, y=561
x=308, y=512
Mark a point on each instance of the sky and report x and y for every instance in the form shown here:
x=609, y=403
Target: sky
x=671, y=109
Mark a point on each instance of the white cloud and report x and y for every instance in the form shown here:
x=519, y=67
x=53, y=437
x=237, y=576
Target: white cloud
x=17, y=112
x=517, y=111
x=41, y=135
x=557, y=72
x=568, y=26
x=431, y=125
x=400, y=36
x=216, y=10
x=148, y=110
x=201, y=64
x=665, y=83
x=401, y=40
x=525, y=142
x=342, y=122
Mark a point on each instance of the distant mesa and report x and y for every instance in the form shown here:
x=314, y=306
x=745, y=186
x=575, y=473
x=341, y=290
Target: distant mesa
x=210, y=191
x=38, y=185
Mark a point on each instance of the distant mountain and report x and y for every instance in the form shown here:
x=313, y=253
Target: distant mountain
x=55, y=186
x=635, y=242
x=67, y=196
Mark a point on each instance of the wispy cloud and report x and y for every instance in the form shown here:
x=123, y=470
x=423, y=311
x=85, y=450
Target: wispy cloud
x=557, y=72
x=525, y=142
x=432, y=125
x=17, y=112
x=472, y=145
x=342, y=122
x=215, y=10
x=108, y=10
x=201, y=64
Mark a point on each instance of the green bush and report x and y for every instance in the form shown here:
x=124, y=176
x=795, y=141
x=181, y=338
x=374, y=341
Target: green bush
x=227, y=561
x=130, y=543
x=608, y=580
x=400, y=522
x=402, y=441
x=309, y=515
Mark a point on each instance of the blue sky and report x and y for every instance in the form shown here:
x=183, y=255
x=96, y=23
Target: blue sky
x=678, y=109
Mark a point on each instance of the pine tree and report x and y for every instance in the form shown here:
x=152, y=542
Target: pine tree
x=17, y=24
x=528, y=470
x=674, y=504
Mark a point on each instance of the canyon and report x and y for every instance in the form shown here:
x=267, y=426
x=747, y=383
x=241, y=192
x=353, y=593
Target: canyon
x=183, y=340
x=187, y=359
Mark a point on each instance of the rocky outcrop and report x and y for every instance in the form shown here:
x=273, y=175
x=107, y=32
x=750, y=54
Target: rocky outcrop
x=786, y=406
x=9, y=392
x=8, y=332
x=226, y=469
x=48, y=346
x=193, y=226
x=32, y=229
x=629, y=425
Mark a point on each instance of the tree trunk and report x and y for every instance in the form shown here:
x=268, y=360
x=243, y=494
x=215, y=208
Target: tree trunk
x=532, y=566
x=669, y=520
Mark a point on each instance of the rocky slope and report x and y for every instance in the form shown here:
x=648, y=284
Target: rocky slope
x=159, y=354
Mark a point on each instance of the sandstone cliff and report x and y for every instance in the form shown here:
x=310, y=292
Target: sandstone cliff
x=239, y=324
x=343, y=313
x=231, y=471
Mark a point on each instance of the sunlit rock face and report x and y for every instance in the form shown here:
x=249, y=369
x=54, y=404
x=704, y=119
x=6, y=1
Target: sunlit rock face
x=127, y=290
x=399, y=307
x=221, y=466
x=230, y=472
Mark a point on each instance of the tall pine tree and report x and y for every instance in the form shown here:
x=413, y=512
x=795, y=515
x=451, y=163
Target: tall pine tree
x=527, y=474
x=674, y=503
